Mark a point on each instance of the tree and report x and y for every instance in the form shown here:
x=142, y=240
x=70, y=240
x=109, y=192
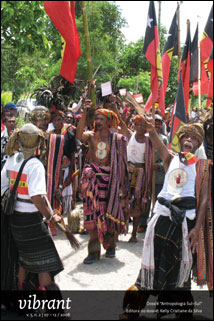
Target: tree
x=23, y=25
x=131, y=83
x=24, y=45
x=31, y=45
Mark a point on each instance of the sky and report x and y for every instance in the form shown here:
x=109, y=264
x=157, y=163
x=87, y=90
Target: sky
x=136, y=13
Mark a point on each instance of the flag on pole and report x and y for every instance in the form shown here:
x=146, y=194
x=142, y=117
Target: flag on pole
x=210, y=88
x=151, y=50
x=62, y=14
x=178, y=118
x=170, y=49
x=185, y=69
x=206, y=45
x=194, y=59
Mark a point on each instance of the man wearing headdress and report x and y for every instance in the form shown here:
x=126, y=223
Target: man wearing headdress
x=58, y=158
x=64, y=132
x=174, y=233
x=104, y=182
x=139, y=151
x=25, y=230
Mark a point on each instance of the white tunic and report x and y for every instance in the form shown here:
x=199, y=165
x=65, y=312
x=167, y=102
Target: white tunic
x=171, y=189
x=136, y=151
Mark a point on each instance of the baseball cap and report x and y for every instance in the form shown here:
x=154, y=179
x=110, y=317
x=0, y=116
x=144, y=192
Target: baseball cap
x=10, y=106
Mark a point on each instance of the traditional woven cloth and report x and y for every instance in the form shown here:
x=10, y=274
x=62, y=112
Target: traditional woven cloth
x=204, y=273
x=194, y=130
x=141, y=179
x=114, y=121
x=37, y=252
x=118, y=179
x=95, y=183
x=9, y=256
x=101, y=187
x=55, y=152
x=136, y=118
x=166, y=259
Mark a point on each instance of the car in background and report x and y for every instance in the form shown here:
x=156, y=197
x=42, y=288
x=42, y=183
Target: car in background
x=25, y=107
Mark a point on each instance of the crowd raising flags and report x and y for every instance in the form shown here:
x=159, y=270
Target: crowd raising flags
x=62, y=14
x=152, y=53
x=170, y=50
x=189, y=72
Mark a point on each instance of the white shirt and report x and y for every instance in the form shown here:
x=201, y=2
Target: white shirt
x=32, y=181
x=200, y=152
x=188, y=189
x=136, y=151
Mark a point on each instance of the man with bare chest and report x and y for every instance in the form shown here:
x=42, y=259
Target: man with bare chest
x=104, y=182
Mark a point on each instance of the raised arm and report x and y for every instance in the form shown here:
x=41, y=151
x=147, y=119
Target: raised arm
x=124, y=129
x=157, y=143
x=80, y=134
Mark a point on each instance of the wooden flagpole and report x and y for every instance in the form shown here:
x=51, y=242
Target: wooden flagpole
x=179, y=32
x=153, y=162
x=88, y=54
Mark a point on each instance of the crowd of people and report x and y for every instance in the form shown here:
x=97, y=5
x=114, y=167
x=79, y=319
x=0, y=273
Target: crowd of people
x=117, y=163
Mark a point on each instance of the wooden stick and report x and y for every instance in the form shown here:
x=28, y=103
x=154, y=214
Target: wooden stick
x=71, y=238
x=88, y=54
x=153, y=162
x=140, y=110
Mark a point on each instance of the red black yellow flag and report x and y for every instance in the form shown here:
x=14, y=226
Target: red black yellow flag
x=178, y=118
x=185, y=69
x=206, y=43
x=188, y=158
x=62, y=14
x=194, y=58
x=170, y=49
x=210, y=88
x=151, y=50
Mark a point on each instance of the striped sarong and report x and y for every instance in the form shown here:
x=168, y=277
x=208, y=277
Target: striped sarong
x=204, y=273
x=36, y=250
x=55, y=152
x=95, y=182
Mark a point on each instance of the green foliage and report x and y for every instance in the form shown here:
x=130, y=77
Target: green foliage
x=143, y=84
x=23, y=25
x=6, y=97
x=172, y=87
x=132, y=60
x=20, y=122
